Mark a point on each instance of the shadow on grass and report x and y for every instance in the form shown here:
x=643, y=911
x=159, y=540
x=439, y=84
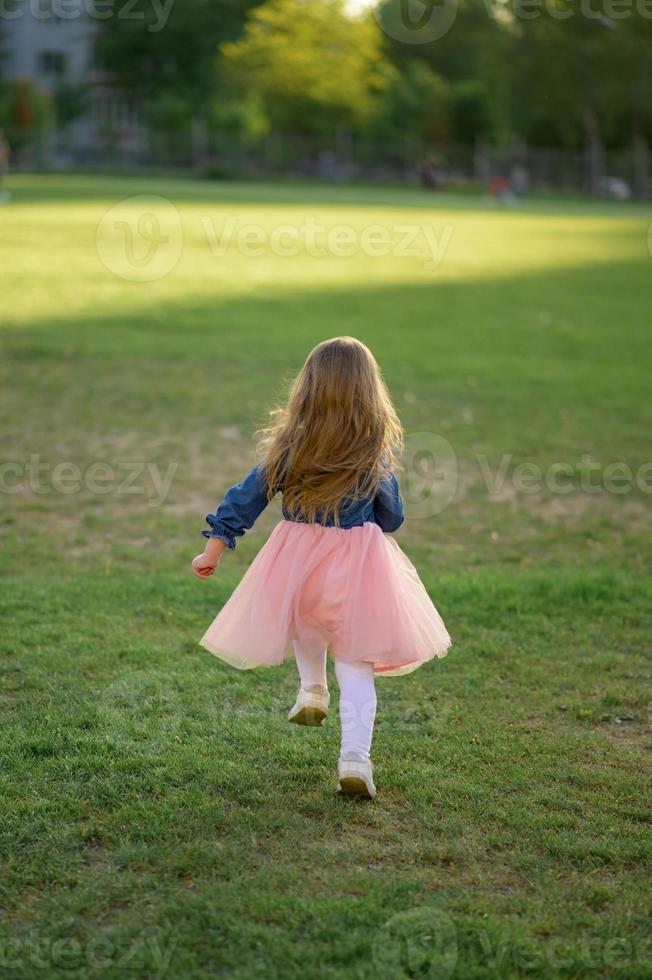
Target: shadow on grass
x=431, y=328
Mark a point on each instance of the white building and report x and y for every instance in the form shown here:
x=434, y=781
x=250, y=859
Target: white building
x=52, y=44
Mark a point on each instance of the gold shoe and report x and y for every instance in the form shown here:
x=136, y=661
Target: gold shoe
x=356, y=776
x=311, y=706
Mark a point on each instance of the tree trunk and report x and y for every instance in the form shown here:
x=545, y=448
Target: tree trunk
x=199, y=138
x=481, y=161
x=595, y=151
x=641, y=165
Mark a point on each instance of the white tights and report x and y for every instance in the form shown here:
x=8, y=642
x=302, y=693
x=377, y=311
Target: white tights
x=357, y=695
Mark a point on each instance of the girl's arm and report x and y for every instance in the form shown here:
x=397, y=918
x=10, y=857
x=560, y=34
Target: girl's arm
x=239, y=510
x=388, y=505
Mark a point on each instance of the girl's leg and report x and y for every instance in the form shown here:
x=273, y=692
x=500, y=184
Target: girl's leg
x=357, y=706
x=311, y=664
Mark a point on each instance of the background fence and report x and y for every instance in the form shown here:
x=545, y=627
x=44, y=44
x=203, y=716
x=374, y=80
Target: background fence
x=516, y=168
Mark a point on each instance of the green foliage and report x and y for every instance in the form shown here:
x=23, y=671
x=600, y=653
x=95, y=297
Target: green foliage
x=71, y=102
x=313, y=65
x=243, y=114
x=169, y=112
x=551, y=74
x=470, y=111
x=556, y=60
x=25, y=114
x=3, y=49
x=473, y=47
x=416, y=101
x=172, y=59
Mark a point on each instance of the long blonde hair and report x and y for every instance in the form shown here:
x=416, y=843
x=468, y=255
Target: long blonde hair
x=338, y=435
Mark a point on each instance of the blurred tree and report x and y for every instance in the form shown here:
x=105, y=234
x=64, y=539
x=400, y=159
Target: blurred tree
x=70, y=102
x=25, y=116
x=470, y=54
x=555, y=66
x=470, y=110
x=415, y=104
x=3, y=50
x=552, y=73
x=581, y=81
x=634, y=80
x=313, y=65
x=241, y=112
x=172, y=62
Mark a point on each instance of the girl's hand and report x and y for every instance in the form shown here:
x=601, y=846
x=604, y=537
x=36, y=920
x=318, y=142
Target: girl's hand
x=205, y=564
x=203, y=567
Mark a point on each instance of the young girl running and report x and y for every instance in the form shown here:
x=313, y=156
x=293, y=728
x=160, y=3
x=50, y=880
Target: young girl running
x=328, y=578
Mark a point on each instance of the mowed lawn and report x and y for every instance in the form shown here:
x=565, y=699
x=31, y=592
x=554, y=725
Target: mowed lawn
x=158, y=816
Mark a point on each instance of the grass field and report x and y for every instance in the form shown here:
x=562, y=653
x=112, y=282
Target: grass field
x=158, y=815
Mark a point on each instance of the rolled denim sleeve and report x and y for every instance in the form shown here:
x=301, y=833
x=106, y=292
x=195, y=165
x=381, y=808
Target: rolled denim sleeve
x=239, y=510
x=388, y=505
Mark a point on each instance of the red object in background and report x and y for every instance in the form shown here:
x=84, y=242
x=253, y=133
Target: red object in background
x=22, y=114
x=498, y=185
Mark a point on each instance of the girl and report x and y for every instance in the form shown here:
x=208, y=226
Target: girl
x=328, y=577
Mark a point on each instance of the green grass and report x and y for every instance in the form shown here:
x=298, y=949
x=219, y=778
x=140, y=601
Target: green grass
x=158, y=815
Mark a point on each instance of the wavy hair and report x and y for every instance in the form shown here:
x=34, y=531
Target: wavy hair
x=338, y=435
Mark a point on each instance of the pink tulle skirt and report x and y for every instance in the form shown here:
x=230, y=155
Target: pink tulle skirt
x=351, y=591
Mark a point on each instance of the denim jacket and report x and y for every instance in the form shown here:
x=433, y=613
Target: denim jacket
x=246, y=501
